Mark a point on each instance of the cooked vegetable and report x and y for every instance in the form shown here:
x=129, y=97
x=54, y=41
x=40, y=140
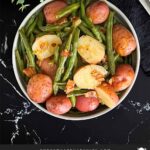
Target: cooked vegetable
x=58, y=104
x=110, y=52
x=91, y=50
x=73, y=56
x=29, y=72
x=88, y=22
x=67, y=10
x=27, y=46
x=90, y=76
x=107, y=95
x=51, y=9
x=123, y=77
x=73, y=101
x=48, y=67
x=39, y=88
x=86, y=104
x=44, y=46
x=98, y=12
x=123, y=41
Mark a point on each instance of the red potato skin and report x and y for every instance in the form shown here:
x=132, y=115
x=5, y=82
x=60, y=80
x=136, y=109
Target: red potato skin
x=123, y=77
x=58, y=105
x=48, y=68
x=98, y=12
x=52, y=8
x=123, y=41
x=86, y=104
x=39, y=88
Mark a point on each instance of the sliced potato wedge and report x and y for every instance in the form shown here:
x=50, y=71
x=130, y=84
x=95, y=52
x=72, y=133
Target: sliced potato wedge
x=89, y=76
x=107, y=95
x=91, y=50
x=44, y=46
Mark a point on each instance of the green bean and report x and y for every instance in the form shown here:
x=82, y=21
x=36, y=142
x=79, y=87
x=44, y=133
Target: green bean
x=87, y=2
x=61, y=83
x=62, y=62
x=40, y=19
x=27, y=47
x=77, y=93
x=54, y=27
x=85, y=30
x=103, y=36
x=36, y=31
x=67, y=29
x=89, y=22
x=67, y=10
x=32, y=38
x=75, y=64
x=73, y=100
x=56, y=54
x=20, y=63
x=31, y=20
x=42, y=33
x=110, y=52
x=74, y=55
x=32, y=26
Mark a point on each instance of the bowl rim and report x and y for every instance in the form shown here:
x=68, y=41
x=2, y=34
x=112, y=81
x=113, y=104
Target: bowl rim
x=98, y=114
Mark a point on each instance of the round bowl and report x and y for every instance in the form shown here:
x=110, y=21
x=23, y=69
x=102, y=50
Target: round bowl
x=102, y=110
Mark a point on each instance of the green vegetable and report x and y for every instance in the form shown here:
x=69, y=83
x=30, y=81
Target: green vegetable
x=40, y=19
x=32, y=27
x=67, y=10
x=74, y=55
x=32, y=38
x=20, y=63
x=27, y=47
x=56, y=54
x=61, y=65
x=85, y=30
x=30, y=22
x=110, y=52
x=73, y=101
x=77, y=93
x=91, y=26
x=52, y=28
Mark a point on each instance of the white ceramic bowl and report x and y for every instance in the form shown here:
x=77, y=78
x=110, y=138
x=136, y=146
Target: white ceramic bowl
x=100, y=111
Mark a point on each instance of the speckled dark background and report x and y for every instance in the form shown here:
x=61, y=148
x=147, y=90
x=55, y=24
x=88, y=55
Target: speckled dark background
x=22, y=123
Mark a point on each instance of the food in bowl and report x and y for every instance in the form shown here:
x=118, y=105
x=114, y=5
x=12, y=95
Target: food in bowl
x=75, y=57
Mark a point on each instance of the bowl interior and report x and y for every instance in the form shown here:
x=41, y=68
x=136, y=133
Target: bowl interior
x=102, y=109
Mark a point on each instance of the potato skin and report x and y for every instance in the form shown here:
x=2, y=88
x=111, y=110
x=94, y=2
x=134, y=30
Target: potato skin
x=123, y=77
x=58, y=105
x=48, y=68
x=52, y=8
x=39, y=88
x=123, y=41
x=86, y=104
x=98, y=12
x=107, y=94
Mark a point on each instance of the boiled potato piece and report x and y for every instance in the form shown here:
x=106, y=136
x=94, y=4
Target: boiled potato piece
x=107, y=95
x=44, y=46
x=90, y=76
x=91, y=50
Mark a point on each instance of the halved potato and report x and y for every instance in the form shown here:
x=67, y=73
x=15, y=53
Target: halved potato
x=91, y=50
x=44, y=46
x=107, y=95
x=90, y=76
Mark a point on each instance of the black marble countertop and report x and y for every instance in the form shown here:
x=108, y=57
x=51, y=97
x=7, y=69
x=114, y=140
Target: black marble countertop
x=23, y=123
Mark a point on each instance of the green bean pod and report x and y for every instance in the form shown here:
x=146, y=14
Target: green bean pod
x=27, y=47
x=56, y=54
x=73, y=100
x=110, y=52
x=67, y=10
x=53, y=28
x=74, y=55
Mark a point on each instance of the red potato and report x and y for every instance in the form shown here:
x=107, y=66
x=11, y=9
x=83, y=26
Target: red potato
x=52, y=8
x=98, y=12
x=123, y=41
x=106, y=93
x=123, y=77
x=48, y=68
x=39, y=88
x=58, y=105
x=86, y=104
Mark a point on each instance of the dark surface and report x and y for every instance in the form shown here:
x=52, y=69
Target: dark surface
x=21, y=122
